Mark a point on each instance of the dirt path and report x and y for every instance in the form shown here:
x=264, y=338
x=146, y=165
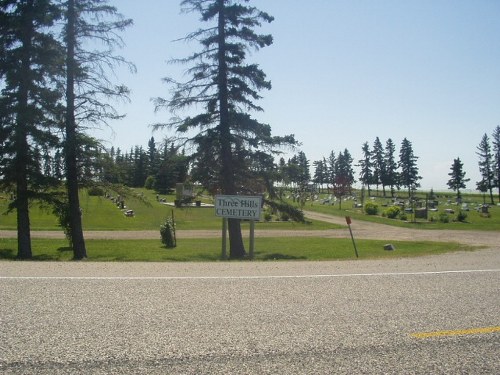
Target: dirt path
x=361, y=229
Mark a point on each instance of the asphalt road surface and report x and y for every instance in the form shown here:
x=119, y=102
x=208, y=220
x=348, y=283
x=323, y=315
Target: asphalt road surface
x=429, y=315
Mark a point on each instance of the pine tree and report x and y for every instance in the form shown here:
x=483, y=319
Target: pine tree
x=486, y=166
x=320, y=172
x=29, y=69
x=344, y=176
x=378, y=163
x=408, y=164
x=226, y=87
x=88, y=89
x=457, y=177
x=366, y=173
x=391, y=176
x=331, y=167
x=496, y=150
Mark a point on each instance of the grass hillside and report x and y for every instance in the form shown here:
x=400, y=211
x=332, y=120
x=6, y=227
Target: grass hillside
x=100, y=213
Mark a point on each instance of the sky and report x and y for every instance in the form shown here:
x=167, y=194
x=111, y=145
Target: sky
x=343, y=72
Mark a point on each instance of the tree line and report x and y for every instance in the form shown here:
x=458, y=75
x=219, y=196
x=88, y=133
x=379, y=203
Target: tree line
x=380, y=168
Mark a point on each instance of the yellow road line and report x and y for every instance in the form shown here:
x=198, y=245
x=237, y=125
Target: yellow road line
x=472, y=331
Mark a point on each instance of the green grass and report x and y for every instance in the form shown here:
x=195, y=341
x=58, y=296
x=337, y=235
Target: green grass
x=474, y=221
x=100, y=213
x=192, y=250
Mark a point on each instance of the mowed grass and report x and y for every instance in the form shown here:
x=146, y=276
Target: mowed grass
x=475, y=219
x=100, y=213
x=194, y=250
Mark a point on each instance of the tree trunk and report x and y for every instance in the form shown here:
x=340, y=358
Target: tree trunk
x=75, y=219
x=21, y=139
x=23, y=219
x=236, y=246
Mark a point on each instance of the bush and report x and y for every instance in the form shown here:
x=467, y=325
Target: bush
x=371, y=208
x=149, y=183
x=96, y=191
x=461, y=216
x=403, y=216
x=392, y=212
x=444, y=218
x=167, y=232
x=284, y=216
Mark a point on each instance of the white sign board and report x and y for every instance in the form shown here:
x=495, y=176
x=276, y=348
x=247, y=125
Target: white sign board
x=238, y=206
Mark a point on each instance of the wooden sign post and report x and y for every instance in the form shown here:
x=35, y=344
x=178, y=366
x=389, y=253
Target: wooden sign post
x=241, y=207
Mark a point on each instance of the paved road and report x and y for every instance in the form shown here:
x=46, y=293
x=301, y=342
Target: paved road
x=339, y=317
x=347, y=317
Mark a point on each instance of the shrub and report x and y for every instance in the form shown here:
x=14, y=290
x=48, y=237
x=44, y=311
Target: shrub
x=167, y=232
x=371, y=208
x=95, y=191
x=268, y=216
x=392, y=212
x=461, y=216
x=444, y=218
x=284, y=216
x=149, y=183
x=403, y=216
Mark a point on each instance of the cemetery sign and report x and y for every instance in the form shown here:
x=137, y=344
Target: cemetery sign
x=238, y=207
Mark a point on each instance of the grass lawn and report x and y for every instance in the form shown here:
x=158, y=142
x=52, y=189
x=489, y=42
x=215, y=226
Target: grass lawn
x=210, y=249
x=474, y=220
x=100, y=213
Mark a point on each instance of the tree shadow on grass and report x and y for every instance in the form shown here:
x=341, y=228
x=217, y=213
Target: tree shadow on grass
x=279, y=256
x=7, y=254
x=65, y=249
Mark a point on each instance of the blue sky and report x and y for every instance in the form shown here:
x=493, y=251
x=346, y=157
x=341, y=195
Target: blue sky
x=344, y=72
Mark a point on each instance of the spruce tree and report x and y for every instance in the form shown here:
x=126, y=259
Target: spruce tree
x=408, y=165
x=391, y=175
x=496, y=156
x=226, y=87
x=378, y=163
x=30, y=58
x=366, y=165
x=457, y=177
x=486, y=166
x=88, y=89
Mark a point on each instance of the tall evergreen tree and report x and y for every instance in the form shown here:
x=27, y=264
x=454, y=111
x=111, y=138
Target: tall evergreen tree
x=344, y=176
x=226, y=87
x=457, y=177
x=152, y=155
x=88, y=89
x=320, y=173
x=408, y=164
x=486, y=166
x=331, y=167
x=366, y=172
x=304, y=174
x=496, y=163
x=378, y=163
x=391, y=176
x=29, y=67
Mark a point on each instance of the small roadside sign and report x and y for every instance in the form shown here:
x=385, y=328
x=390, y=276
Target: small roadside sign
x=238, y=207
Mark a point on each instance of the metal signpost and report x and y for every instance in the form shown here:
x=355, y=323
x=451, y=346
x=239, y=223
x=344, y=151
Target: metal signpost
x=243, y=207
x=348, y=221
